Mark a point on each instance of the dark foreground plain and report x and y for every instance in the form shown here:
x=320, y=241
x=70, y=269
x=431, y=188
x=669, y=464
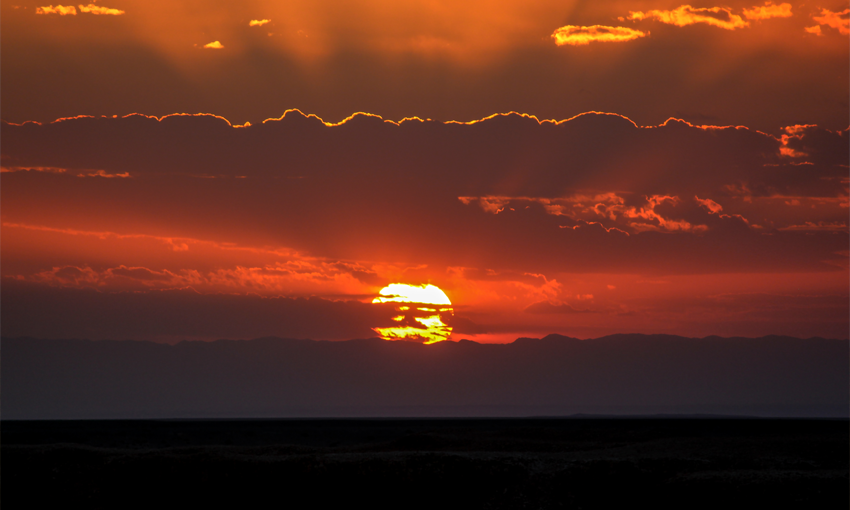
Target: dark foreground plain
x=579, y=462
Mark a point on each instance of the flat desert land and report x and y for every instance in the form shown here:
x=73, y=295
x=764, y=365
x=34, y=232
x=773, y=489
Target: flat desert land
x=577, y=462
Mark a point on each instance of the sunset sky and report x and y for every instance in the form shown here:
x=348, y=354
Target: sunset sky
x=195, y=170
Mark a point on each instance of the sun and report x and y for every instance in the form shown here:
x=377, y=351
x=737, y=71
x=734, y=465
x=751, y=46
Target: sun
x=420, y=313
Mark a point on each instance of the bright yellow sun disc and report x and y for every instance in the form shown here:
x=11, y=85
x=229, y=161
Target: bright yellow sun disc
x=423, y=324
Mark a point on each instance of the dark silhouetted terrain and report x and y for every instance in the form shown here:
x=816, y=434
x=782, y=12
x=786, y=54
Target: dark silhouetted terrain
x=553, y=376
x=461, y=463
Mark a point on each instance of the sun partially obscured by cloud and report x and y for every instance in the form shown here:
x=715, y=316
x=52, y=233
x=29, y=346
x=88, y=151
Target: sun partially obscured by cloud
x=837, y=20
x=578, y=36
x=100, y=10
x=61, y=10
x=215, y=45
x=684, y=15
x=768, y=10
x=258, y=22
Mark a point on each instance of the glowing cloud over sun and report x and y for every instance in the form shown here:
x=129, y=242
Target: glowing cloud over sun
x=215, y=45
x=768, y=10
x=404, y=293
x=258, y=22
x=578, y=36
x=96, y=9
x=686, y=15
x=420, y=314
x=837, y=20
x=62, y=10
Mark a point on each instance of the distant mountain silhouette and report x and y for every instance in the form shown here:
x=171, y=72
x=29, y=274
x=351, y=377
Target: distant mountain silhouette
x=555, y=375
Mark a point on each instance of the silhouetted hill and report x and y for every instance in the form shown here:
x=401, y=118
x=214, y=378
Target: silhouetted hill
x=555, y=375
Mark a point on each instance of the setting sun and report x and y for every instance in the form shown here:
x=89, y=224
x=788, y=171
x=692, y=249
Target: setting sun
x=416, y=323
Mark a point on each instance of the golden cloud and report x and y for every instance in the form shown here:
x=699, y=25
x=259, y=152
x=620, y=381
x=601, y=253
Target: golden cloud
x=768, y=10
x=48, y=169
x=686, y=15
x=61, y=10
x=813, y=30
x=96, y=9
x=608, y=207
x=579, y=36
x=837, y=20
x=215, y=45
x=258, y=22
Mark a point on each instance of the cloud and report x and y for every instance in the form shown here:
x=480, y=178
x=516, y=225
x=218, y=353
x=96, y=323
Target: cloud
x=49, y=169
x=836, y=226
x=578, y=35
x=837, y=20
x=105, y=174
x=564, y=191
x=681, y=16
x=547, y=307
x=99, y=10
x=607, y=206
x=813, y=30
x=215, y=45
x=821, y=147
x=258, y=22
x=61, y=10
x=768, y=10
x=291, y=277
x=710, y=205
x=172, y=315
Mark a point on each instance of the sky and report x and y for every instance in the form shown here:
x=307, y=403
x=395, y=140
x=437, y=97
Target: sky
x=194, y=170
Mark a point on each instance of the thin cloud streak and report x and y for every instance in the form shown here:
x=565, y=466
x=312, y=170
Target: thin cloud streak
x=581, y=36
x=100, y=10
x=684, y=15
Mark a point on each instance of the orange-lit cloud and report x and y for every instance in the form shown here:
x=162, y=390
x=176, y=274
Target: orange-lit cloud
x=594, y=179
x=681, y=16
x=792, y=134
x=105, y=174
x=215, y=45
x=834, y=226
x=61, y=10
x=100, y=10
x=656, y=221
x=206, y=266
x=607, y=206
x=258, y=22
x=768, y=10
x=813, y=30
x=837, y=20
x=578, y=36
x=710, y=205
x=50, y=169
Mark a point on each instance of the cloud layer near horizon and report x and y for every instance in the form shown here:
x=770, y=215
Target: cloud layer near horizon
x=509, y=215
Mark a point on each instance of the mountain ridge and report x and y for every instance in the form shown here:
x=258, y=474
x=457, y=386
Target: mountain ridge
x=554, y=375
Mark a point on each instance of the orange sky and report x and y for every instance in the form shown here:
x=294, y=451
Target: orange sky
x=730, y=218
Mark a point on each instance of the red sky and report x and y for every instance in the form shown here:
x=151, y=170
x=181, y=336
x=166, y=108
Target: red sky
x=710, y=197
